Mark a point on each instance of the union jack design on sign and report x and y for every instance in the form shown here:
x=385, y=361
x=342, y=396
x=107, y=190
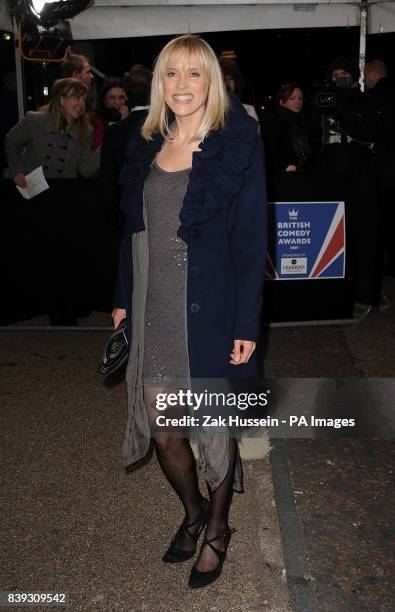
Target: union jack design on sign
x=306, y=240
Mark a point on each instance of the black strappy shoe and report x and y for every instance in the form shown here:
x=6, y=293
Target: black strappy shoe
x=199, y=579
x=177, y=555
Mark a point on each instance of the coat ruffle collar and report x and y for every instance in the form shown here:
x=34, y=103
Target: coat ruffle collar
x=217, y=173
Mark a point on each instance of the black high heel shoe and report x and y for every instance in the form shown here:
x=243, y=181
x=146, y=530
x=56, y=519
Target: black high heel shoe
x=199, y=579
x=177, y=555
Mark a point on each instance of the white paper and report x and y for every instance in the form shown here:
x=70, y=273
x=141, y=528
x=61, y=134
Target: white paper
x=35, y=184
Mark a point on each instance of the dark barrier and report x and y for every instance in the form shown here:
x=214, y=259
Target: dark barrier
x=61, y=249
x=56, y=250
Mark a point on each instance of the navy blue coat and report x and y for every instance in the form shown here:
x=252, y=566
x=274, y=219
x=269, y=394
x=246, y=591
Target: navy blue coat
x=223, y=222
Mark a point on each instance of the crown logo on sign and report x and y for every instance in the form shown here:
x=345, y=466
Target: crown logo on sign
x=293, y=214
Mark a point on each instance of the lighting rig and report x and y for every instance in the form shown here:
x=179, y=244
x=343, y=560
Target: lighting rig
x=43, y=32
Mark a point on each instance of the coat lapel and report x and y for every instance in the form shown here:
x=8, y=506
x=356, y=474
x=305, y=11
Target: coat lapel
x=215, y=180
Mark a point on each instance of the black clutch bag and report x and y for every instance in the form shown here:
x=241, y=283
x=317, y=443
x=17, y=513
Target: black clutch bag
x=116, y=351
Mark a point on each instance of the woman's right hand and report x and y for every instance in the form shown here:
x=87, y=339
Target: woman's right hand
x=118, y=315
x=20, y=180
x=124, y=111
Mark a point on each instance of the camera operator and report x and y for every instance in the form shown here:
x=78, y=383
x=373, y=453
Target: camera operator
x=344, y=130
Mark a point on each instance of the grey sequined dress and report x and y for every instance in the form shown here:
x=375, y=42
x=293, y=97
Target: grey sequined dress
x=166, y=360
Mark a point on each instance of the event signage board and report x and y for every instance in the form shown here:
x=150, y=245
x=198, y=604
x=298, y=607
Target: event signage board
x=306, y=240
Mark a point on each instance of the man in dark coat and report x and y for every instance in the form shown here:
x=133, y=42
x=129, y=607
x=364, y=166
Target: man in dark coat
x=347, y=137
x=380, y=94
x=137, y=83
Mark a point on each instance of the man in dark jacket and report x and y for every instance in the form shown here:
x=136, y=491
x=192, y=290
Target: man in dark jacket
x=347, y=137
x=376, y=73
x=380, y=95
x=137, y=84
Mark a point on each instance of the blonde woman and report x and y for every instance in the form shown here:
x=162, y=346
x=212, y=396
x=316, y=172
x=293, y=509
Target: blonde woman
x=58, y=137
x=190, y=279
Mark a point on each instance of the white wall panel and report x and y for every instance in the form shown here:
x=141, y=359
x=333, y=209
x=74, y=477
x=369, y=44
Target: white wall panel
x=5, y=18
x=125, y=22
x=381, y=18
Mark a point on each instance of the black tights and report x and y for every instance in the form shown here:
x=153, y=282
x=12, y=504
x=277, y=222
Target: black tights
x=220, y=501
x=176, y=459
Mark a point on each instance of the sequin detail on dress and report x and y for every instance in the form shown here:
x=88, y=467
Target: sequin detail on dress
x=165, y=344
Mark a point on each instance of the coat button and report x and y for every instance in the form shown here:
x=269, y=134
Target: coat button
x=196, y=232
x=195, y=307
x=194, y=271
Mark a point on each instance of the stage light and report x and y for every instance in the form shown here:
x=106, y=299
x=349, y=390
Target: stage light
x=50, y=12
x=44, y=44
x=44, y=33
x=36, y=6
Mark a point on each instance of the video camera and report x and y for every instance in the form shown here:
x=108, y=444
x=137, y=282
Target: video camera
x=326, y=96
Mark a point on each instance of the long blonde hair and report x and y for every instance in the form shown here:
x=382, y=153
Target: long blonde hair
x=196, y=50
x=68, y=87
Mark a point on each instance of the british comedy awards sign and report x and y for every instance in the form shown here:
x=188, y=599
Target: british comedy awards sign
x=306, y=240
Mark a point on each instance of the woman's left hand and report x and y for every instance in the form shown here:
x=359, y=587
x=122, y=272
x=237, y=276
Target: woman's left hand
x=242, y=351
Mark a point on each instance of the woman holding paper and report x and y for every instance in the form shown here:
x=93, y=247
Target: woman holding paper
x=58, y=138
x=190, y=278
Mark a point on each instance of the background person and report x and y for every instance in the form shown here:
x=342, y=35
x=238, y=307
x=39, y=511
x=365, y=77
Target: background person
x=235, y=84
x=58, y=138
x=137, y=84
x=78, y=67
x=345, y=134
x=112, y=108
x=380, y=95
x=198, y=160
x=376, y=73
x=285, y=135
